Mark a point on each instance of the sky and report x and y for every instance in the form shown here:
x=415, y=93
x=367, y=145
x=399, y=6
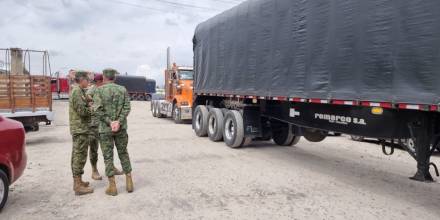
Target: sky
x=128, y=35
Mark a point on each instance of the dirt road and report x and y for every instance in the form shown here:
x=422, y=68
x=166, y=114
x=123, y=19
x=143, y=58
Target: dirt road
x=179, y=176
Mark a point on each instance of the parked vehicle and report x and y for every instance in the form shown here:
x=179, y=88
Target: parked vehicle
x=25, y=93
x=60, y=87
x=290, y=68
x=138, y=87
x=178, y=94
x=12, y=155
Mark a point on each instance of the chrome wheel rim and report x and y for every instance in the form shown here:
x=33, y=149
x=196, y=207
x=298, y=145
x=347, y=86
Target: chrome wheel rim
x=176, y=114
x=229, y=129
x=198, y=121
x=212, y=125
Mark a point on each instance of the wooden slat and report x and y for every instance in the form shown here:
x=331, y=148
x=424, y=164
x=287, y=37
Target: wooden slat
x=25, y=92
x=23, y=103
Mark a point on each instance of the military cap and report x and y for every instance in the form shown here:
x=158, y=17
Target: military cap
x=98, y=77
x=81, y=74
x=110, y=73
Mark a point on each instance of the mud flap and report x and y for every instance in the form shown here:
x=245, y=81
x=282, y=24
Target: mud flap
x=252, y=121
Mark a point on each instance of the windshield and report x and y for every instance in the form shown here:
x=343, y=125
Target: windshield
x=186, y=75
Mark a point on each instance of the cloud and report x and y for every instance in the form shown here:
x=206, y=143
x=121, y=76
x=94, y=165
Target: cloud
x=143, y=70
x=129, y=35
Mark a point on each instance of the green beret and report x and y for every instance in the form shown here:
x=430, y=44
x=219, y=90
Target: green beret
x=81, y=74
x=110, y=73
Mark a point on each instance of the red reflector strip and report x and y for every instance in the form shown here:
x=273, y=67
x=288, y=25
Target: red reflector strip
x=433, y=108
x=321, y=101
x=281, y=98
x=343, y=102
x=409, y=106
x=297, y=100
x=377, y=104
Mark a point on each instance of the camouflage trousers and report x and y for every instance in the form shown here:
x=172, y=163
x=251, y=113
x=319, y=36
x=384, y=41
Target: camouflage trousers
x=93, y=151
x=79, y=153
x=108, y=141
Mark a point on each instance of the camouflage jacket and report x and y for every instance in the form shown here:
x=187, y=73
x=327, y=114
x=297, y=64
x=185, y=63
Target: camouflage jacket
x=79, y=112
x=111, y=103
x=91, y=91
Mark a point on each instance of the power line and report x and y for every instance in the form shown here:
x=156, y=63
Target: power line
x=228, y=1
x=136, y=5
x=184, y=5
x=173, y=4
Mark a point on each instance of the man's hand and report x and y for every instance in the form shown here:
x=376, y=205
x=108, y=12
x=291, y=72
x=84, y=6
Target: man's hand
x=115, y=125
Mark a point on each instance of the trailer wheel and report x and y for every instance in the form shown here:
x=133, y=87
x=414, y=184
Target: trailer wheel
x=200, y=121
x=282, y=134
x=132, y=97
x=158, y=113
x=141, y=97
x=148, y=97
x=153, y=109
x=233, y=129
x=215, y=124
x=176, y=115
x=4, y=188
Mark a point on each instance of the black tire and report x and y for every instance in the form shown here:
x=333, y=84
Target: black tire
x=141, y=97
x=233, y=129
x=282, y=134
x=356, y=138
x=148, y=97
x=314, y=136
x=176, y=115
x=215, y=124
x=200, y=121
x=4, y=188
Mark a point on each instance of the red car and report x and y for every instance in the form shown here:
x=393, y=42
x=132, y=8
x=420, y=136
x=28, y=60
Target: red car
x=12, y=155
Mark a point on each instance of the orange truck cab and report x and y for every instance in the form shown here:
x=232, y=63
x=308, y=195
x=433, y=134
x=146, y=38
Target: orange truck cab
x=178, y=95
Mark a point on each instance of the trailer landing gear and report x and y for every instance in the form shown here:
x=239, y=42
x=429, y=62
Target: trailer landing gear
x=422, y=133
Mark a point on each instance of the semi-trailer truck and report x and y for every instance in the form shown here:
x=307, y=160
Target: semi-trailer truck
x=178, y=94
x=138, y=87
x=285, y=69
x=60, y=86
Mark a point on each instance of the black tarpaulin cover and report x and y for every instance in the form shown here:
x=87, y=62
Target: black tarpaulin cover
x=373, y=50
x=132, y=83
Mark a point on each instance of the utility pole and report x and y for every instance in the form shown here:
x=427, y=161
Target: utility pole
x=17, y=66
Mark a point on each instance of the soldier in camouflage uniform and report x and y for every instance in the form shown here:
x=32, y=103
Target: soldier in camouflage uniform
x=94, y=140
x=112, y=106
x=79, y=118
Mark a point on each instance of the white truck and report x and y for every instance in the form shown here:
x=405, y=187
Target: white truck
x=25, y=95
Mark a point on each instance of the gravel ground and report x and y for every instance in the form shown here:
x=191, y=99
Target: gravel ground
x=179, y=176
